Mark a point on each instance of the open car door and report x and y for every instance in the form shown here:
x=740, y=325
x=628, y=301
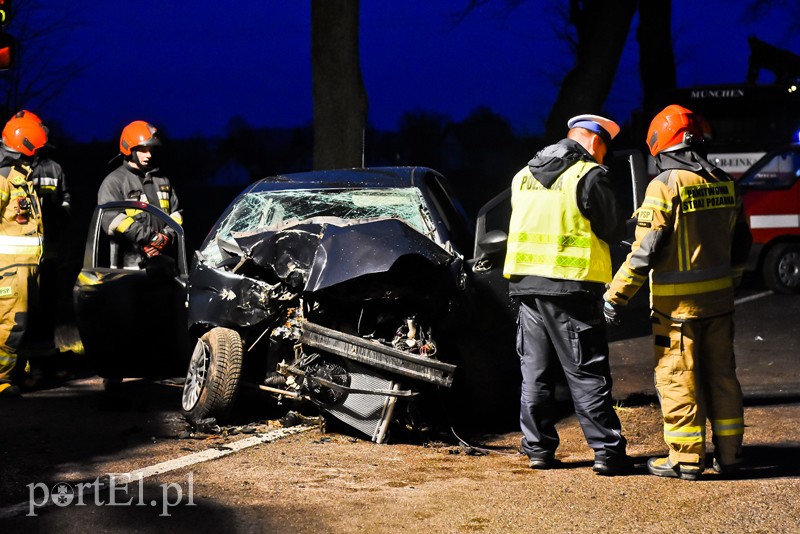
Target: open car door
x=132, y=322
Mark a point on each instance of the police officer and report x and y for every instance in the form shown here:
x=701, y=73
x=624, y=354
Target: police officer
x=20, y=240
x=692, y=241
x=564, y=214
x=138, y=178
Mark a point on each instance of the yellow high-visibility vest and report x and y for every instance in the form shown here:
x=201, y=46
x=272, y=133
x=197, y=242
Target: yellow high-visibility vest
x=548, y=235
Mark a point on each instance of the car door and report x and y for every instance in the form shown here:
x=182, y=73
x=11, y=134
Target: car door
x=132, y=322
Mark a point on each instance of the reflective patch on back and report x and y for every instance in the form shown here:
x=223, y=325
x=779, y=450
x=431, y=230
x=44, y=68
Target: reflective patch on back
x=6, y=292
x=707, y=196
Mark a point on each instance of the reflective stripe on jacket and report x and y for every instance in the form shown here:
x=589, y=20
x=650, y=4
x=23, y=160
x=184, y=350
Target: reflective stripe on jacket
x=20, y=232
x=127, y=183
x=548, y=235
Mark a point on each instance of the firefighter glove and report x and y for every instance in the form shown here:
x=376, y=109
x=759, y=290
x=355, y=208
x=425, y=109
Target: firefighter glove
x=611, y=313
x=158, y=242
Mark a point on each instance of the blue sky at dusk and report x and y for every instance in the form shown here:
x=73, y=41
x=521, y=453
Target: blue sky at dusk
x=190, y=67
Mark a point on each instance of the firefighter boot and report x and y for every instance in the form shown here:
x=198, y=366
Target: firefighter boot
x=663, y=467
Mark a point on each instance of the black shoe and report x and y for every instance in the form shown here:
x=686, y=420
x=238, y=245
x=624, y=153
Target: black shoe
x=7, y=391
x=544, y=463
x=611, y=466
x=663, y=467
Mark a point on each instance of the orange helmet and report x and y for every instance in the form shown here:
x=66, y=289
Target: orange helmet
x=137, y=133
x=23, y=135
x=25, y=114
x=673, y=128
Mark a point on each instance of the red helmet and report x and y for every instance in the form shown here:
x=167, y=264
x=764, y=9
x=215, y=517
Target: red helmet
x=137, y=133
x=23, y=135
x=673, y=128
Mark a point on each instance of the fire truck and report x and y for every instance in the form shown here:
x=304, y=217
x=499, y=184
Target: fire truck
x=771, y=197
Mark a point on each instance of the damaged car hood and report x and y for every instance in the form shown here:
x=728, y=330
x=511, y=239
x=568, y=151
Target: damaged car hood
x=314, y=256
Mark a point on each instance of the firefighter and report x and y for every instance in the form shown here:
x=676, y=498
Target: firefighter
x=20, y=240
x=564, y=215
x=692, y=241
x=138, y=178
x=50, y=183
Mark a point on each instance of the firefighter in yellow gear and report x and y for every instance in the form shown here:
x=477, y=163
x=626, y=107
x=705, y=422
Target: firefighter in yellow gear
x=20, y=241
x=692, y=241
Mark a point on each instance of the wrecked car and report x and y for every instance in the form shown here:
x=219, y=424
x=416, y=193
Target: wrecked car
x=347, y=289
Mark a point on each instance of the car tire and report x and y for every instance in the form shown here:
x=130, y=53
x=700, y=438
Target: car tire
x=213, y=377
x=782, y=268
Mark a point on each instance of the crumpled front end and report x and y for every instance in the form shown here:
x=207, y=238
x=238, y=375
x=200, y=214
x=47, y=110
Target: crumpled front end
x=343, y=313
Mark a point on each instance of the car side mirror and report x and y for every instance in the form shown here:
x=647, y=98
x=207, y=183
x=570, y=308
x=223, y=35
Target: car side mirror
x=493, y=242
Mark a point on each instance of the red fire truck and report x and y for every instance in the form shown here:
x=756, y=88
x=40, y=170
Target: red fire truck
x=771, y=197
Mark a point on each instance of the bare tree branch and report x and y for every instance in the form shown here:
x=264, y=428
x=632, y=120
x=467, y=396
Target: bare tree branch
x=40, y=73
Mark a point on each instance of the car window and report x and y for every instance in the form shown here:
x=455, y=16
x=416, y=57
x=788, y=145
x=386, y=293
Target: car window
x=276, y=210
x=779, y=172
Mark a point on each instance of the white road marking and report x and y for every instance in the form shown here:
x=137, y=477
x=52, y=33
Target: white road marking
x=172, y=465
x=752, y=297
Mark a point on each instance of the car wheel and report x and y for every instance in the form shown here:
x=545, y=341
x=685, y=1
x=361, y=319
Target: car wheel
x=212, y=380
x=782, y=268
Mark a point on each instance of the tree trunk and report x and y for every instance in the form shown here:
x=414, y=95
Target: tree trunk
x=340, y=100
x=656, y=57
x=602, y=27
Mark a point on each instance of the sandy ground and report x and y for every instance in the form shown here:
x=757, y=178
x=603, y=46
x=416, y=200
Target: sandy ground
x=332, y=482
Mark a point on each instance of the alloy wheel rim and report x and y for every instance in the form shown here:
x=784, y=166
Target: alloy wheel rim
x=197, y=375
x=789, y=269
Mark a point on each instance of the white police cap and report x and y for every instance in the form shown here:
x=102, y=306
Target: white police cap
x=605, y=128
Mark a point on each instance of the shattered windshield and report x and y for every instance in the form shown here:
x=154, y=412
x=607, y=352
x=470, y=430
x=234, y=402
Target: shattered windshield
x=275, y=210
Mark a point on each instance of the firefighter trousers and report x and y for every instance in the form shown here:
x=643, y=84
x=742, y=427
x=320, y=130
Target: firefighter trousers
x=565, y=333
x=16, y=284
x=695, y=376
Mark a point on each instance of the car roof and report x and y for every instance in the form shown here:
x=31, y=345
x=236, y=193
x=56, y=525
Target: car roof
x=344, y=179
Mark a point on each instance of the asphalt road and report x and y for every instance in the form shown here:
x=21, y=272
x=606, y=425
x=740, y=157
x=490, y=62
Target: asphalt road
x=252, y=478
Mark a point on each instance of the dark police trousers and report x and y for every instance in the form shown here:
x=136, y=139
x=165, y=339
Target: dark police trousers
x=566, y=331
